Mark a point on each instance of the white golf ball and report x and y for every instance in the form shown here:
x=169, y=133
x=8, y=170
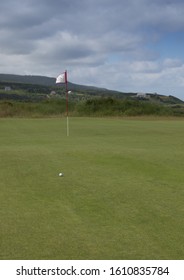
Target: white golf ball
x=60, y=174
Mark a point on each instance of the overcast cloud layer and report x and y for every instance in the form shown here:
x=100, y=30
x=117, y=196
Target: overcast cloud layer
x=134, y=45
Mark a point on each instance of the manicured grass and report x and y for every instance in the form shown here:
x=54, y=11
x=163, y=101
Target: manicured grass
x=121, y=196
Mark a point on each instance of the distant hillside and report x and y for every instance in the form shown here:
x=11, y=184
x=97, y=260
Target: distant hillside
x=36, y=80
x=41, y=96
x=49, y=81
x=30, y=87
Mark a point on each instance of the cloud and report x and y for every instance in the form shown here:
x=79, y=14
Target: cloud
x=172, y=63
x=95, y=40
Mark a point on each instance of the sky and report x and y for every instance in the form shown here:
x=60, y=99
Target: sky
x=129, y=46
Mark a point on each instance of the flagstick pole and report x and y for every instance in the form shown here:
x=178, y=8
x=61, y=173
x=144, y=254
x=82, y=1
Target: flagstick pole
x=67, y=118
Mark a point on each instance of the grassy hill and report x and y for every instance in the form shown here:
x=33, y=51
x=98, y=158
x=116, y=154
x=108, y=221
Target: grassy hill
x=44, y=85
x=40, y=96
x=27, y=79
x=42, y=82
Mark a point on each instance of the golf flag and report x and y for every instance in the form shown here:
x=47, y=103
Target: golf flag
x=61, y=78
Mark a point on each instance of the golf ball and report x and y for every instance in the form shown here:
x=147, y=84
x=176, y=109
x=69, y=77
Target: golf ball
x=60, y=174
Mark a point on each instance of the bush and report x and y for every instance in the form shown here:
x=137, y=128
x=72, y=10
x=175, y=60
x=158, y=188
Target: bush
x=33, y=109
x=115, y=107
x=91, y=107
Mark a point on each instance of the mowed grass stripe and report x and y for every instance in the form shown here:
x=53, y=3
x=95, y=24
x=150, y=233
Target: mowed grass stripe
x=121, y=196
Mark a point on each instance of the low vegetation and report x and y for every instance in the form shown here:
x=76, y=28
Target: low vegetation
x=34, y=96
x=127, y=107
x=95, y=107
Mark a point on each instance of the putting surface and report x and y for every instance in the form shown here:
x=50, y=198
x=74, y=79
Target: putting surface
x=121, y=196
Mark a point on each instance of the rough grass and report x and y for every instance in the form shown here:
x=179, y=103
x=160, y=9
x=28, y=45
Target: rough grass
x=121, y=196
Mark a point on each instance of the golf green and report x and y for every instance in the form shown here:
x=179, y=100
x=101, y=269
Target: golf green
x=121, y=196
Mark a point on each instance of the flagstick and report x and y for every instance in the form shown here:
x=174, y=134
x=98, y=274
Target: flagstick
x=67, y=118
